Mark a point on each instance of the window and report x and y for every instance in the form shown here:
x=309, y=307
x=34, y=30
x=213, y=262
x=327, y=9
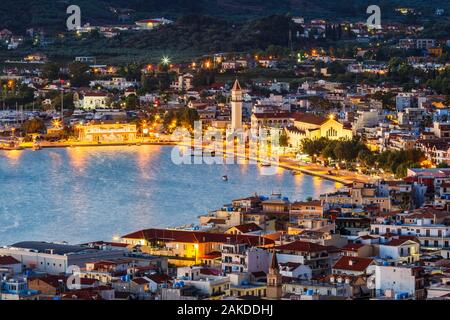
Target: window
x=331, y=132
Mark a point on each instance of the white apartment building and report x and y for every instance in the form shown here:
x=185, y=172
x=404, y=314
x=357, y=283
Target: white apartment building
x=430, y=235
x=398, y=282
x=244, y=258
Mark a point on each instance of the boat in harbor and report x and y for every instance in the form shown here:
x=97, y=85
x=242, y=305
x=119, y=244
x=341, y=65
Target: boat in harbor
x=225, y=178
x=36, y=146
x=264, y=164
x=11, y=146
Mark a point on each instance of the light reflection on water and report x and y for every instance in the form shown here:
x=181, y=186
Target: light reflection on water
x=83, y=194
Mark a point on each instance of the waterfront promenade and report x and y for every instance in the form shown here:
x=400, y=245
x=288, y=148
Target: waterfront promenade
x=341, y=176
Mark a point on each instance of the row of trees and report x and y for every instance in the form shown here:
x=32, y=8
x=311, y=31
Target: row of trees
x=78, y=73
x=340, y=150
x=183, y=117
x=351, y=151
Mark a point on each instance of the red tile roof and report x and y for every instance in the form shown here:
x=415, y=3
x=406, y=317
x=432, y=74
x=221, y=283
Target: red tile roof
x=212, y=255
x=217, y=221
x=160, y=278
x=196, y=237
x=353, y=263
x=309, y=118
x=367, y=237
x=352, y=246
x=313, y=203
x=397, y=242
x=249, y=227
x=273, y=115
x=6, y=260
x=302, y=246
x=51, y=280
x=140, y=281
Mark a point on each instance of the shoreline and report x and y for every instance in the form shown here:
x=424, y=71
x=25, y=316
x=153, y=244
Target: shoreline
x=284, y=164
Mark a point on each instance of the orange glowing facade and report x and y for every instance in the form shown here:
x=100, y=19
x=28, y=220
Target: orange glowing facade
x=107, y=132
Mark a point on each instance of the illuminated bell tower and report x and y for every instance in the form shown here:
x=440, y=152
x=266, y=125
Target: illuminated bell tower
x=236, y=106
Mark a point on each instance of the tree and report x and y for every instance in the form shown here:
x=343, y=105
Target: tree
x=313, y=147
x=79, y=76
x=34, y=125
x=284, y=139
x=131, y=102
x=50, y=70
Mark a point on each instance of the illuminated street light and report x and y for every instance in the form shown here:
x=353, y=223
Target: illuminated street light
x=165, y=60
x=56, y=123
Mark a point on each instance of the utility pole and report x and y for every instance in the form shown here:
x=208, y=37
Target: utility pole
x=62, y=107
x=62, y=102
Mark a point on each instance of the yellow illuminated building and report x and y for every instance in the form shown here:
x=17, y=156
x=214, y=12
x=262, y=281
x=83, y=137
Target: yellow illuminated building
x=309, y=126
x=107, y=132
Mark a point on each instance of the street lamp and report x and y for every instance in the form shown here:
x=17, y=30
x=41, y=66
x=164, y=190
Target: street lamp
x=165, y=60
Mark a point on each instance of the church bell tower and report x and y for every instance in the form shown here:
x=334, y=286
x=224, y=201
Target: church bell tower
x=274, y=279
x=236, y=106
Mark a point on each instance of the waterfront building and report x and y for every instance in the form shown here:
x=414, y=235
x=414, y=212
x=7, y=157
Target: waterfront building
x=307, y=209
x=360, y=194
x=107, y=132
x=309, y=126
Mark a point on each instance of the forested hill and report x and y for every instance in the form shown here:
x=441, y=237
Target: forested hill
x=17, y=15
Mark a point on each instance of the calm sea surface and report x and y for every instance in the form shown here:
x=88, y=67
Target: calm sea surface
x=86, y=194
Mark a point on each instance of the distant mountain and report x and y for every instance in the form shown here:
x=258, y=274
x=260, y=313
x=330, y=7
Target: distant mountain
x=18, y=15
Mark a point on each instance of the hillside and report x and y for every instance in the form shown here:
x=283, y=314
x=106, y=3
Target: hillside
x=18, y=15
